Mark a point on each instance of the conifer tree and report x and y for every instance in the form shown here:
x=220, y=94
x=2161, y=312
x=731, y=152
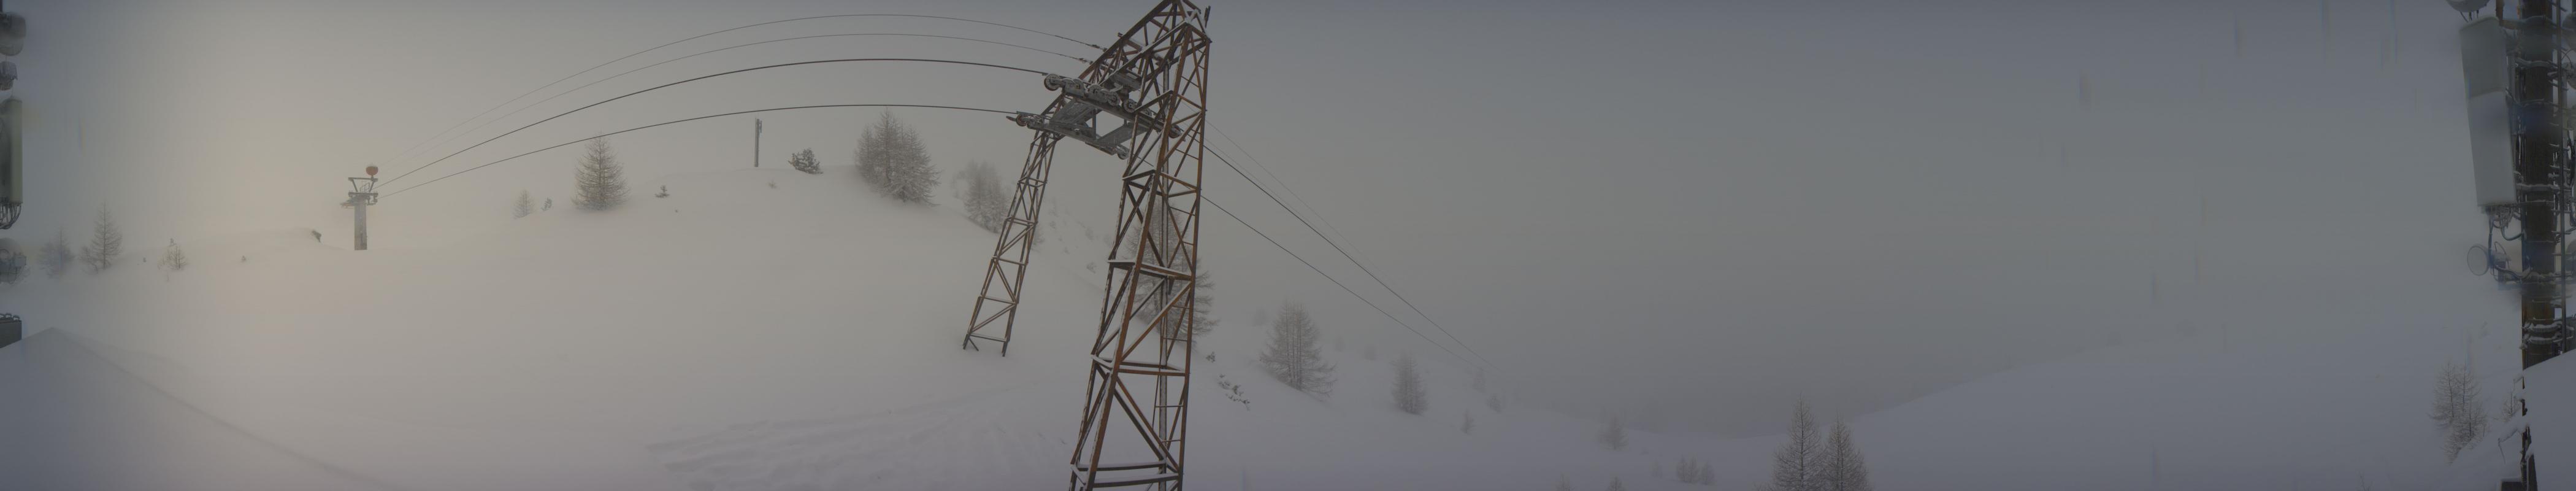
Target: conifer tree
x=105, y=244
x=1292, y=356
x=1409, y=395
x=172, y=258
x=599, y=183
x=1794, y=467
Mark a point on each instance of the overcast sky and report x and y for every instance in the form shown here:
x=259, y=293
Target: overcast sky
x=1688, y=213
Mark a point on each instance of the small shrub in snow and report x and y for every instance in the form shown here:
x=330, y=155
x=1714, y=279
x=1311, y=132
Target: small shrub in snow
x=56, y=256
x=1691, y=471
x=804, y=160
x=172, y=258
x=522, y=207
x=1562, y=484
x=665, y=193
x=1233, y=392
x=1470, y=425
x=1494, y=401
x=1615, y=485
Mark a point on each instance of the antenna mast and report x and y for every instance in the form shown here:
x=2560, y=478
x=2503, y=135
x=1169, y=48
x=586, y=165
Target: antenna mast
x=2520, y=157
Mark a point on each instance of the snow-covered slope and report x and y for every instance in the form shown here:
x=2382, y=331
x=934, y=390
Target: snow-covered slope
x=804, y=335
x=2214, y=411
x=735, y=335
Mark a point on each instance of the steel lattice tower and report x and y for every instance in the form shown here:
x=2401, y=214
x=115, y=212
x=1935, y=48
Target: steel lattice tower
x=1154, y=78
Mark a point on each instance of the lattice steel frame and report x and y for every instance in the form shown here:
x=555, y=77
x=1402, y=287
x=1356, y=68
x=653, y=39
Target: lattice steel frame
x=1153, y=278
x=1143, y=344
x=1010, y=262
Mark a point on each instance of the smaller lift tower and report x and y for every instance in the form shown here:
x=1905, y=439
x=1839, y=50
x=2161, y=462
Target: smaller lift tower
x=362, y=193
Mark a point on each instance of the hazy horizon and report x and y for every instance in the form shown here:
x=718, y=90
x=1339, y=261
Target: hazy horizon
x=1687, y=214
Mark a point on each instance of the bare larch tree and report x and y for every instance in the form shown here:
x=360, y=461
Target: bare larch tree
x=1795, y=466
x=1292, y=356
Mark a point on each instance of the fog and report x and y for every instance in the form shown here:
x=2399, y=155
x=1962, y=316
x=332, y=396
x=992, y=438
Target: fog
x=1688, y=214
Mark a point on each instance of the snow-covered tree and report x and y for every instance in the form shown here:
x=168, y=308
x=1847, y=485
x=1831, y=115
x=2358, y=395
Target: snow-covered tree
x=1292, y=356
x=1409, y=395
x=1614, y=434
x=1479, y=383
x=105, y=244
x=1562, y=484
x=550, y=205
x=1615, y=485
x=1707, y=476
x=891, y=158
x=56, y=256
x=1842, y=468
x=2456, y=409
x=1495, y=402
x=987, y=204
x=1794, y=467
x=804, y=160
x=172, y=258
x=1202, y=302
x=522, y=207
x=664, y=193
x=1470, y=425
x=1683, y=472
x=599, y=183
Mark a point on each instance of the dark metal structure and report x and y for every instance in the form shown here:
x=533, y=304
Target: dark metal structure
x=1154, y=80
x=2517, y=71
x=13, y=122
x=362, y=193
x=11, y=329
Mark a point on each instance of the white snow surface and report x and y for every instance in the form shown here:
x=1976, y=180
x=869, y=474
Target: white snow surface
x=736, y=336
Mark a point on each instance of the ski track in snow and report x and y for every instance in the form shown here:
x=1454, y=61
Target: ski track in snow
x=895, y=449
